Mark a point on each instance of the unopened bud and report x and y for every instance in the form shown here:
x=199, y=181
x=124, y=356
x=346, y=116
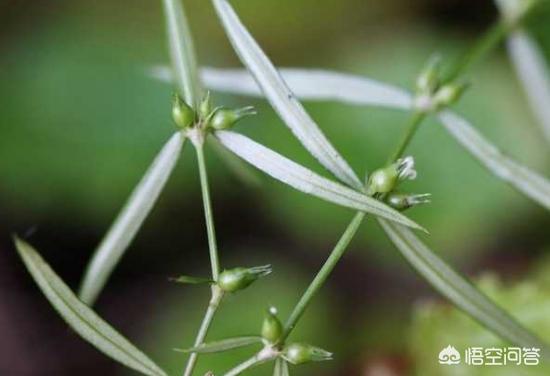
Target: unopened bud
x=448, y=95
x=239, y=278
x=298, y=353
x=225, y=118
x=402, y=201
x=385, y=180
x=183, y=115
x=428, y=80
x=272, y=329
x=205, y=107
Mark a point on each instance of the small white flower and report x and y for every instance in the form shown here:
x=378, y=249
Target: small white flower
x=405, y=168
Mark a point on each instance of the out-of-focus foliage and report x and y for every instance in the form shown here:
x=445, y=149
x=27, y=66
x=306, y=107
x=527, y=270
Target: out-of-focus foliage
x=436, y=325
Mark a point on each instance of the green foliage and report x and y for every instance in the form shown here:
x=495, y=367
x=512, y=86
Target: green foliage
x=436, y=325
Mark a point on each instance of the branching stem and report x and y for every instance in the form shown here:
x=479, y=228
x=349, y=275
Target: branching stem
x=323, y=274
x=217, y=295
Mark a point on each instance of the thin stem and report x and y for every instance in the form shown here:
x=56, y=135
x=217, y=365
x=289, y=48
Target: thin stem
x=410, y=131
x=490, y=39
x=266, y=354
x=323, y=274
x=483, y=45
x=243, y=366
x=217, y=295
x=212, y=245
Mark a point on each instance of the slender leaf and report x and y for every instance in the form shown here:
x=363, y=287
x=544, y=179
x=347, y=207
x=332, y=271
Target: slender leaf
x=182, y=52
x=129, y=220
x=81, y=318
x=532, y=71
x=244, y=172
x=309, y=84
x=185, y=279
x=520, y=177
x=281, y=368
x=281, y=98
x=457, y=289
x=302, y=179
x=223, y=345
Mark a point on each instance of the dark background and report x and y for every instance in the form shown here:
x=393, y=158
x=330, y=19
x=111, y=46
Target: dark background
x=80, y=121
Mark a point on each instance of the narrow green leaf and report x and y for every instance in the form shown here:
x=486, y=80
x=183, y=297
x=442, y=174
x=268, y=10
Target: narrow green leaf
x=129, y=220
x=281, y=368
x=81, y=318
x=281, y=98
x=525, y=180
x=520, y=177
x=304, y=180
x=309, y=84
x=457, y=289
x=244, y=172
x=532, y=71
x=185, y=279
x=223, y=345
x=182, y=52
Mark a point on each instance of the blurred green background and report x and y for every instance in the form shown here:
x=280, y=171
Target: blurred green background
x=80, y=121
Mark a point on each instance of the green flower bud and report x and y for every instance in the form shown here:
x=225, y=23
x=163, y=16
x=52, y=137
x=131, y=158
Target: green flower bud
x=402, y=201
x=382, y=180
x=225, y=118
x=183, y=115
x=299, y=353
x=205, y=107
x=272, y=329
x=239, y=278
x=428, y=80
x=448, y=95
x=385, y=180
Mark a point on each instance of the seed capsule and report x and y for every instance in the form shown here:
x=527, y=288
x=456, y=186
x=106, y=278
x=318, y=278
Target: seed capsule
x=299, y=353
x=382, y=180
x=225, y=118
x=183, y=115
x=272, y=329
x=402, y=201
x=239, y=278
x=386, y=179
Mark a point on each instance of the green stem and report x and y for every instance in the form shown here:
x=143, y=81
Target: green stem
x=490, y=39
x=217, y=295
x=410, y=131
x=322, y=275
x=212, y=245
x=263, y=356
